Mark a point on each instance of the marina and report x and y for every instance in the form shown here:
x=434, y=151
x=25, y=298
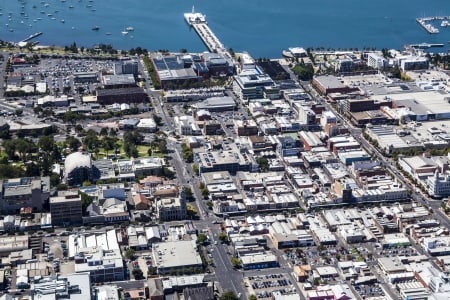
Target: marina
x=425, y=23
x=427, y=26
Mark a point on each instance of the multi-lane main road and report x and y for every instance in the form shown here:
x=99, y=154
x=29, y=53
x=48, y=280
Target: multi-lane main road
x=387, y=163
x=228, y=277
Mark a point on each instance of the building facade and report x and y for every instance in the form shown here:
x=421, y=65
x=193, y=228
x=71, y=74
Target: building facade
x=439, y=186
x=66, y=209
x=24, y=192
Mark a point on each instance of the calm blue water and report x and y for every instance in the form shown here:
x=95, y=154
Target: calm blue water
x=261, y=27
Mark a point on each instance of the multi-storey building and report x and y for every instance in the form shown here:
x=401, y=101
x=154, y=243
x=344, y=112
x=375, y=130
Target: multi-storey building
x=439, y=186
x=24, y=192
x=66, y=208
x=170, y=209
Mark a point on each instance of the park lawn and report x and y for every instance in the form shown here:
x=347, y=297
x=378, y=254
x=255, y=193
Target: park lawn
x=142, y=150
x=156, y=153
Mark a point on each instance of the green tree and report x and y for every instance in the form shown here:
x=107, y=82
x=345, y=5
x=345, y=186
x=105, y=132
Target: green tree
x=188, y=193
x=229, y=295
x=72, y=143
x=112, y=132
x=10, y=149
x=162, y=146
x=202, y=238
x=32, y=170
x=204, y=192
x=191, y=211
x=86, y=200
x=108, y=143
x=235, y=262
x=129, y=253
x=46, y=143
x=304, y=72
x=45, y=165
x=23, y=147
x=209, y=204
x=91, y=140
x=157, y=119
x=104, y=131
x=87, y=183
x=188, y=154
x=252, y=297
x=223, y=237
x=168, y=173
x=131, y=151
x=70, y=117
x=62, y=187
x=4, y=132
x=263, y=164
x=54, y=180
x=396, y=73
x=137, y=274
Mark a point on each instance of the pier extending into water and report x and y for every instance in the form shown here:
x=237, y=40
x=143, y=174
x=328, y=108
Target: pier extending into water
x=198, y=22
x=209, y=38
x=31, y=37
x=23, y=42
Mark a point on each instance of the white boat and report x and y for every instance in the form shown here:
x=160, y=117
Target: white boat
x=130, y=28
x=445, y=23
x=124, y=32
x=194, y=17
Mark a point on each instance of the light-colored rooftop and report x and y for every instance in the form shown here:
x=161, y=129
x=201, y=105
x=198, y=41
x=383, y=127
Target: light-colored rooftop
x=174, y=254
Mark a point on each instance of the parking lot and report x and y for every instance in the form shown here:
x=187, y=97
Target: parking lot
x=142, y=262
x=369, y=290
x=58, y=74
x=262, y=286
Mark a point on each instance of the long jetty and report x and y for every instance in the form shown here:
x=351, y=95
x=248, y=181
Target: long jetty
x=29, y=38
x=209, y=38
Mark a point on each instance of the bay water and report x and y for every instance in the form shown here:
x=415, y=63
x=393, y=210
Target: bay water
x=262, y=27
